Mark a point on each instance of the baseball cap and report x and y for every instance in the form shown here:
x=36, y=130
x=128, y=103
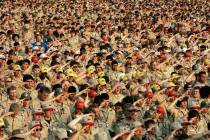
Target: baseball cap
x=43, y=55
x=16, y=68
x=37, y=111
x=39, y=86
x=91, y=69
x=204, y=104
x=102, y=81
x=2, y=56
x=170, y=84
x=47, y=107
x=88, y=121
x=34, y=124
x=25, y=95
x=19, y=133
x=58, y=91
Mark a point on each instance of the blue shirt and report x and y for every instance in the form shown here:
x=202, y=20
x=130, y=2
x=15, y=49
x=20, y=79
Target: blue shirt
x=42, y=44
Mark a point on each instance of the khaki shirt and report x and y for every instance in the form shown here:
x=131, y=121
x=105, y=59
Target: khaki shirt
x=6, y=104
x=114, y=98
x=180, y=114
x=33, y=93
x=15, y=122
x=36, y=103
x=201, y=127
x=26, y=113
x=62, y=113
x=84, y=136
x=108, y=115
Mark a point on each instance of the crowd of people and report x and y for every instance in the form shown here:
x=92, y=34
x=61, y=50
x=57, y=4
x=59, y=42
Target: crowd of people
x=104, y=70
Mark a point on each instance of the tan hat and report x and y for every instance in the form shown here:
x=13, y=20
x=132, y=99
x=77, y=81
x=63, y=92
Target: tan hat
x=34, y=124
x=47, y=107
x=37, y=111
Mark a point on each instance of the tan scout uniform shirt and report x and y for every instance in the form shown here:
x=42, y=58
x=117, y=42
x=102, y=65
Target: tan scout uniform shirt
x=84, y=136
x=180, y=114
x=15, y=122
x=62, y=113
x=32, y=92
x=27, y=115
x=114, y=98
x=8, y=102
x=201, y=127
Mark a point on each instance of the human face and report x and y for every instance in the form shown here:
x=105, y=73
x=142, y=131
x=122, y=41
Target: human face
x=61, y=99
x=25, y=66
x=128, y=68
x=37, y=117
x=17, y=73
x=38, y=38
x=1, y=131
x=13, y=94
x=138, y=131
x=26, y=102
x=8, y=81
x=196, y=93
x=72, y=96
x=37, y=71
x=184, y=104
x=44, y=96
x=105, y=103
x=37, y=132
x=203, y=78
x=49, y=113
x=114, y=67
x=30, y=84
x=2, y=61
x=65, y=86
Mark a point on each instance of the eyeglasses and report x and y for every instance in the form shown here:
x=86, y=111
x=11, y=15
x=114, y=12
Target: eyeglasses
x=40, y=129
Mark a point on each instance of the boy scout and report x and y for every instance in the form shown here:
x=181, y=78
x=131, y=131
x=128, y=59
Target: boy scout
x=14, y=121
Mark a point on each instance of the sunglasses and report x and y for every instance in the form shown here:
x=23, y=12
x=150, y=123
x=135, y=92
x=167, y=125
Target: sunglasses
x=40, y=129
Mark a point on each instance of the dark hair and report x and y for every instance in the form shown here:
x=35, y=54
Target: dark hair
x=11, y=88
x=27, y=77
x=114, y=62
x=197, y=87
x=72, y=89
x=27, y=49
x=44, y=90
x=53, y=63
x=205, y=92
x=25, y=61
x=148, y=123
x=35, y=67
x=43, y=76
x=56, y=86
x=15, y=35
x=202, y=72
x=192, y=114
x=16, y=44
x=16, y=138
